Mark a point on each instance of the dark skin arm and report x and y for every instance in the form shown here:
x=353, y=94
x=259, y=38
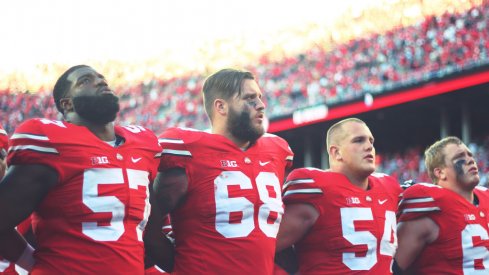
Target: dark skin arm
x=21, y=191
x=169, y=189
x=296, y=223
x=159, y=249
x=287, y=259
x=413, y=237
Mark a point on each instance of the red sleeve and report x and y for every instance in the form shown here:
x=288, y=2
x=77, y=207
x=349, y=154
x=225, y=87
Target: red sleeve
x=302, y=187
x=176, y=152
x=277, y=270
x=31, y=144
x=289, y=157
x=418, y=201
x=3, y=139
x=24, y=226
x=282, y=143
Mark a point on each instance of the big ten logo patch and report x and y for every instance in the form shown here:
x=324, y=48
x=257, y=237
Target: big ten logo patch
x=469, y=217
x=99, y=160
x=352, y=200
x=228, y=163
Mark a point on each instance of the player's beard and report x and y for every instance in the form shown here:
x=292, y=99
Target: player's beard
x=98, y=109
x=240, y=126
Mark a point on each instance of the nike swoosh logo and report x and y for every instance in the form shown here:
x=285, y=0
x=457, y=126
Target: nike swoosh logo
x=264, y=163
x=382, y=202
x=136, y=159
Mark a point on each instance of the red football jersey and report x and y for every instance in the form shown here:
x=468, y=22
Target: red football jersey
x=91, y=222
x=6, y=267
x=229, y=220
x=463, y=242
x=355, y=232
x=3, y=139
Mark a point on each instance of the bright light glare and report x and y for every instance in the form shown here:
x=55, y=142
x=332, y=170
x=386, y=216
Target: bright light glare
x=70, y=32
x=139, y=40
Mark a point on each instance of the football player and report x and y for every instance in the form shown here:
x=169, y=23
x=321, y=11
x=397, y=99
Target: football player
x=223, y=187
x=6, y=267
x=342, y=220
x=85, y=180
x=443, y=226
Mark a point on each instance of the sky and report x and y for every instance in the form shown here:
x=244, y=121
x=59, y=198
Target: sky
x=72, y=32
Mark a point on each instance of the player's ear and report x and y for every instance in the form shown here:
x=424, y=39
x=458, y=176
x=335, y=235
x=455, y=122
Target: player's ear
x=220, y=106
x=66, y=105
x=334, y=152
x=440, y=173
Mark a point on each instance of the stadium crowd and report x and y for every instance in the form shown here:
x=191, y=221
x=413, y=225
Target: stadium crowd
x=436, y=47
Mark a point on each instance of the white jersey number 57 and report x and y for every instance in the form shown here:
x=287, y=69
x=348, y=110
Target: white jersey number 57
x=92, y=178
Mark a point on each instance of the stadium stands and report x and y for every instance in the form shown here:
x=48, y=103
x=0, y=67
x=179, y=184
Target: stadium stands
x=434, y=48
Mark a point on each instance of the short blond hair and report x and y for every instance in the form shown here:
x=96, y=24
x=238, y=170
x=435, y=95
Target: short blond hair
x=335, y=130
x=434, y=156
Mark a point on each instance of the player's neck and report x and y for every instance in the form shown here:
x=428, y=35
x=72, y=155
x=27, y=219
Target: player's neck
x=243, y=144
x=468, y=195
x=105, y=132
x=361, y=181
